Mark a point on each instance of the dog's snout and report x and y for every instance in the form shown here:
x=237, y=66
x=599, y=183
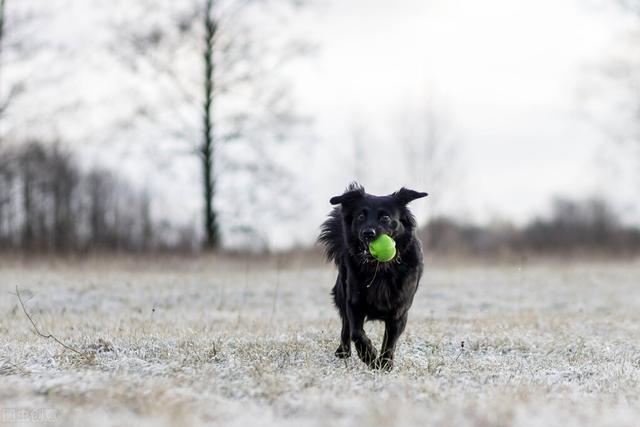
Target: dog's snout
x=369, y=234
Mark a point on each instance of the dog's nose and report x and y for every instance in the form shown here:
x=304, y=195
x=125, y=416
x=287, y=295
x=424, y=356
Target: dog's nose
x=368, y=234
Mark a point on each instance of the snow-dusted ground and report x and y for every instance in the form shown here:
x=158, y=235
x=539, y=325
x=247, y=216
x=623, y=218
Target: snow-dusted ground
x=233, y=343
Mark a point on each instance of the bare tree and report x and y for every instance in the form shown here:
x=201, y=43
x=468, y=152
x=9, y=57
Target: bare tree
x=3, y=103
x=47, y=204
x=9, y=91
x=620, y=89
x=21, y=40
x=2, y=3
x=238, y=98
x=431, y=152
x=632, y=6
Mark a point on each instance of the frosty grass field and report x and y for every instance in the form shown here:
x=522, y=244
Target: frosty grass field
x=220, y=342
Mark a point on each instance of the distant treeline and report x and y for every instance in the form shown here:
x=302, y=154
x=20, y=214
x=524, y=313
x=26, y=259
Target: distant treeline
x=49, y=204
x=573, y=226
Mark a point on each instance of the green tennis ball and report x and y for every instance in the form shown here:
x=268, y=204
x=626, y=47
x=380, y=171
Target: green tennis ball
x=383, y=248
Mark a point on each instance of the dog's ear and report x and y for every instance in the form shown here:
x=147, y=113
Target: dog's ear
x=404, y=196
x=353, y=192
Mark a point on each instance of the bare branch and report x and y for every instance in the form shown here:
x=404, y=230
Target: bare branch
x=48, y=336
x=632, y=5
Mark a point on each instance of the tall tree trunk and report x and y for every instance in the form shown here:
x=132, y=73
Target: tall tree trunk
x=207, y=149
x=2, y=2
x=27, y=200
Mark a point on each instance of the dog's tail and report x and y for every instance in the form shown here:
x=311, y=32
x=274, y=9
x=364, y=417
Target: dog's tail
x=331, y=236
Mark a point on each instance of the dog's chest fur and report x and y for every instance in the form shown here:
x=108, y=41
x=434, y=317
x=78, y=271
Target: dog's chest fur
x=388, y=291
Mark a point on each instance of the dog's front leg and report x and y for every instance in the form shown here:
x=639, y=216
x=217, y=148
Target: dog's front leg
x=393, y=330
x=365, y=349
x=344, y=350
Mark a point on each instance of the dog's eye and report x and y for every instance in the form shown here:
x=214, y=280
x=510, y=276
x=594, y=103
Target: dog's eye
x=385, y=219
x=361, y=217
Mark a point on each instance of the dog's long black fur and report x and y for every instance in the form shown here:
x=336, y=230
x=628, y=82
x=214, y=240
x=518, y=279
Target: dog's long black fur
x=365, y=288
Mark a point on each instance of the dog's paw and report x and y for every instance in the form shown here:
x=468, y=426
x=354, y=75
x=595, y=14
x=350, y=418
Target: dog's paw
x=343, y=353
x=384, y=364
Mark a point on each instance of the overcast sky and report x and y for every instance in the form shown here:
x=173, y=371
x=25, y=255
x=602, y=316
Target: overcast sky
x=508, y=75
x=505, y=78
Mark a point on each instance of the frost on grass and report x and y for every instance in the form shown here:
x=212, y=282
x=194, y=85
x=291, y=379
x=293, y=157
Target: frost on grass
x=211, y=343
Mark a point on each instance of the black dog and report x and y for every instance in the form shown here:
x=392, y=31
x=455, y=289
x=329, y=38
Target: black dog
x=367, y=289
